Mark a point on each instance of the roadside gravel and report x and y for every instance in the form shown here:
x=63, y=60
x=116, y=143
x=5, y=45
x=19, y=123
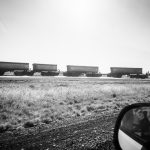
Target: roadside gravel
x=89, y=133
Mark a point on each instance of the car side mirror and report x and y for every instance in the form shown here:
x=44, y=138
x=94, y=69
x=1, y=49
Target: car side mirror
x=132, y=128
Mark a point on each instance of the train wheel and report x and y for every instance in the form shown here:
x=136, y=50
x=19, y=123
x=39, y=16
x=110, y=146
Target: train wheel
x=17, y=73
x=30, y=73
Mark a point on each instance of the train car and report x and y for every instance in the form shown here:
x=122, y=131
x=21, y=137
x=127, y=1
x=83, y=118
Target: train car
x=46, y=69
x=16, y=67
x=90, y=71
x=131, y=72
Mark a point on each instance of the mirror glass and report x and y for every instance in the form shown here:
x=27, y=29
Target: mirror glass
x=136, y=123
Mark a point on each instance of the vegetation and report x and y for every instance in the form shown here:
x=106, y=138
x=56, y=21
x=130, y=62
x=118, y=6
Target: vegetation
x=27, y=102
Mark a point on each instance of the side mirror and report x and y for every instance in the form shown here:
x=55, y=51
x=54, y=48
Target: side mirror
x=132, y=128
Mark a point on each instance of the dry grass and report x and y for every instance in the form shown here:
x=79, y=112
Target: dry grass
x=28, y=103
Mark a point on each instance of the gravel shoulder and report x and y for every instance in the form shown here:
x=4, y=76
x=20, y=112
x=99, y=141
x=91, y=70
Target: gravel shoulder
x=90, y=133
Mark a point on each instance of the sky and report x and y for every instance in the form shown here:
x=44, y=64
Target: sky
x=103, y=33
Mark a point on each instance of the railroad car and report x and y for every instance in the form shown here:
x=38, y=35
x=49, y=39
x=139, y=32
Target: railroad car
x=90, y=71
x=131, y=72
x=46, y=69
x=17, y=67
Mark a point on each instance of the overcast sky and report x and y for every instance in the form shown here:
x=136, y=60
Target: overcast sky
x=102, y=33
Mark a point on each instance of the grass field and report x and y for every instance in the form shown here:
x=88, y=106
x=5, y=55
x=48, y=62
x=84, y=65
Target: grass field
x=27, y=102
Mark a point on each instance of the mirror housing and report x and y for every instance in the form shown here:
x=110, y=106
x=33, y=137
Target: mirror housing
x=128, y=134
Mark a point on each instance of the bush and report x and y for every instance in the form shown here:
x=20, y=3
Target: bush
x=5, y=127
x=101, y=107
x=114, y=95
x=28, y=124
x=46, y=121
x=2, y=128
x=4, y=116
x=76, y=101
x=77, y=114
x=61, y=103
x=78, y=107
x=95, y=98
x=32, y=86
x=90, y=108
x=70, y=103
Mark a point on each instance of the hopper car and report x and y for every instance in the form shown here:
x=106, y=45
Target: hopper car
x=118, y=72
x=89, y=71
x=46, y=69
x=17, y=68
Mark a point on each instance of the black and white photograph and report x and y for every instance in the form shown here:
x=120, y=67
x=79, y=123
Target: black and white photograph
x=74, y=74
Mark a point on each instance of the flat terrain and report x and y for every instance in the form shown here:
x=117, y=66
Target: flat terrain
x=64, y=113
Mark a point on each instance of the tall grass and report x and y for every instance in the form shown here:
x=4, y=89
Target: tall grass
x=46, y=101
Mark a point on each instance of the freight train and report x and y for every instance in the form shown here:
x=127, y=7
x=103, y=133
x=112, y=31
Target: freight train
x=20, y=69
